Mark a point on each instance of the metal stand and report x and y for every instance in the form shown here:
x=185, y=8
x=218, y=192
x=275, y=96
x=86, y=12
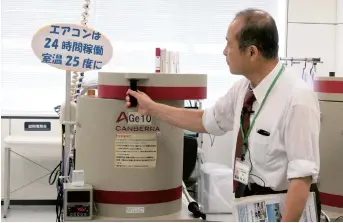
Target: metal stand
x=7, y=182
x=67, y=123
x=200, y=160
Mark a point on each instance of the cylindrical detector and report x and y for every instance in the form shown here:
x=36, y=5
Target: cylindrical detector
x=125, y=191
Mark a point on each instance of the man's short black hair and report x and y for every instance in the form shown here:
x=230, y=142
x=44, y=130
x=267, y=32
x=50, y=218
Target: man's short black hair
x=260, y=30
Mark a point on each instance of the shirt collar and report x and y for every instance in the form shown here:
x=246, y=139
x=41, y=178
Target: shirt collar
x=261, y=89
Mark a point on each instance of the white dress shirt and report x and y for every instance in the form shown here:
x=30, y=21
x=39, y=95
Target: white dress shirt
x=290, y=114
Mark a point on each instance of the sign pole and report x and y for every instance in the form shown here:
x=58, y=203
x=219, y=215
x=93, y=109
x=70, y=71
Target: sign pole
x=67, y=124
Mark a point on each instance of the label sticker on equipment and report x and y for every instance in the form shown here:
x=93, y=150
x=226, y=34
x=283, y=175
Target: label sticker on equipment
x=134, y=210
x=135, y=150
x=37, y=126
x=134, y=118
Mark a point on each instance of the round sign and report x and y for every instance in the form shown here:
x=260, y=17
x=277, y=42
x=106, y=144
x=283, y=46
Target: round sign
x=72, y=47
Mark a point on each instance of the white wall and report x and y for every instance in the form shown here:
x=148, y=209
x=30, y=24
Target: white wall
x=29, y=181
x=339, y=38
x=314, y=31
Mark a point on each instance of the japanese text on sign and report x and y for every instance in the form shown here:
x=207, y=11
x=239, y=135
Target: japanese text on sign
x=72, y=47
x=135, y=150
x=37, y=126
x=67, y=30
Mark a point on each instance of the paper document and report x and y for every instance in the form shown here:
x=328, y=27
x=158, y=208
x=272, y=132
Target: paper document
x=269, y=208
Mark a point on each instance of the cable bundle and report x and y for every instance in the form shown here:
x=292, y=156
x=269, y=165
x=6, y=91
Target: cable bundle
x=55, y=175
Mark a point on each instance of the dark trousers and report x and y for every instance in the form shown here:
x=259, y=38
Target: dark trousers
x=244, y=191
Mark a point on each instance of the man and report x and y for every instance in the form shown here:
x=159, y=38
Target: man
x=273, y=113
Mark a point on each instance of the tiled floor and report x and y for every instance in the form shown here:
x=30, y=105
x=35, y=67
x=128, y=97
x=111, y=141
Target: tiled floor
x=30, y=214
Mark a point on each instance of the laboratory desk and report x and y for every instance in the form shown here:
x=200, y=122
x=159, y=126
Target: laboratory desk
x=183, y=216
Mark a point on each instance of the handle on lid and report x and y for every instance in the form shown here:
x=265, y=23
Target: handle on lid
x=133, y=87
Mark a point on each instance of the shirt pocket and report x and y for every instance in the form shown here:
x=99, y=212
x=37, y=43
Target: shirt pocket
x=260, y=148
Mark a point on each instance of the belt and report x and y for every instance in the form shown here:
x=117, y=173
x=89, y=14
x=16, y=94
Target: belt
x=256, y=189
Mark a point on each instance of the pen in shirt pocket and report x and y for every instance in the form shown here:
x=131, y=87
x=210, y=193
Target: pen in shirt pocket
x=263, y=132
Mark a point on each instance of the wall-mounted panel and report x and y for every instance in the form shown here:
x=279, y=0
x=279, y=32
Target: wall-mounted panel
x=312, y=11
x=339, y=50
x=340, y=11
x=313, y=40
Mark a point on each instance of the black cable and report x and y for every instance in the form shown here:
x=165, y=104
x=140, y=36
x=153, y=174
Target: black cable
x=55, y=175
x=58, y=109
x=194, y=208
x=264, y=184
x=70, y=166
x=244, y=112
x=74, y=158
x=337, y=219
x=59, y=186
x=59, y=203
x=57, y=172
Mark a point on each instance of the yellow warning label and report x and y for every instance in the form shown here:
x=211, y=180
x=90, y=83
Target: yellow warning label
x=135, y=150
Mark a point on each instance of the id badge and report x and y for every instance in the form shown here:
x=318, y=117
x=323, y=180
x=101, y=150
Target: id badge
x=241, y=172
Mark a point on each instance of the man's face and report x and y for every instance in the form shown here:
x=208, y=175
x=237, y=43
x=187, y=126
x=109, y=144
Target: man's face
x=236, y=59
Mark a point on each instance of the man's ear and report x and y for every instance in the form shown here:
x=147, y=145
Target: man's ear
x=253, y=51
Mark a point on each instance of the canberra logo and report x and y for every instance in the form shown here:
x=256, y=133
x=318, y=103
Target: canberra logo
x=135, y=122
x=122, y=116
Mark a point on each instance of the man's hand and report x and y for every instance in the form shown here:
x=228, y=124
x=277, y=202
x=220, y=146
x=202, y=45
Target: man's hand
x=296, y=199
x=189, y=119
x=144, y=102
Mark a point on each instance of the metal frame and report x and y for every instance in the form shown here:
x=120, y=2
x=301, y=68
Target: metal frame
x=7, y=183
x=309, y=60
x=292, y=60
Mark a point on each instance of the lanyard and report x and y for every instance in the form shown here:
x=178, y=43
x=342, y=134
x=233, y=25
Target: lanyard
x=245, y=137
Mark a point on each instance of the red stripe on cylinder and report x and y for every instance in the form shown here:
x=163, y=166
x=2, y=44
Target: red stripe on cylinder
x=155, y=93
x=331, y=200
x=334, y=87
x=137, y=197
